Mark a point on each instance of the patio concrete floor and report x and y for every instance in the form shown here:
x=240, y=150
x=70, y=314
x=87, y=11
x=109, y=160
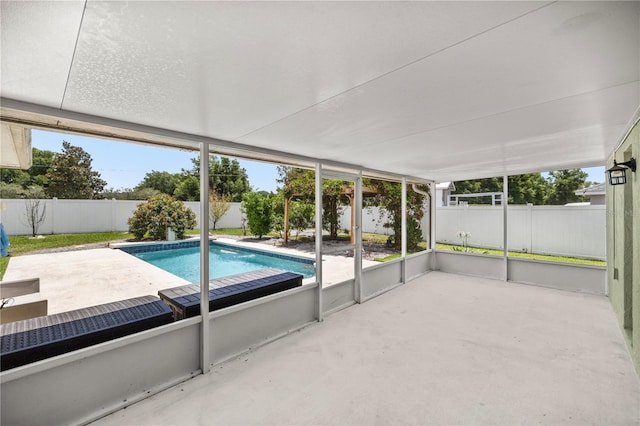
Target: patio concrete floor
x=442, y=349
x=77, y=279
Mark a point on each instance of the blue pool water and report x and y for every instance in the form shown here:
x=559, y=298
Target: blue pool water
x=224, y=260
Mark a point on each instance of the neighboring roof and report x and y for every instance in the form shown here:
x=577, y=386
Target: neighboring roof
x=433, y=90
x=446, y=185
x=597, y=189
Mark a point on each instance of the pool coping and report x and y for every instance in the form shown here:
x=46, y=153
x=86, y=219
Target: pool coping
x=120, y=245
x=130, y=248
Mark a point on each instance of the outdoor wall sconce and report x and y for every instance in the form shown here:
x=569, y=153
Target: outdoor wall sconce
x=618, y=173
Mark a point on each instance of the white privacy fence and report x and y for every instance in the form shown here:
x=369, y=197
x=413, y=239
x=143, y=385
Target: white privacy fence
x=575, y=231
x=77, y=216
x=372, y=220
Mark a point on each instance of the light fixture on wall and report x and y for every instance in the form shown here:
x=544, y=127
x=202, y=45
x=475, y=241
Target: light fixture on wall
x=618, y=173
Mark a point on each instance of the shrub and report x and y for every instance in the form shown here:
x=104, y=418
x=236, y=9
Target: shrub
x=301, y=216
x=258, y=208
x=152, y=218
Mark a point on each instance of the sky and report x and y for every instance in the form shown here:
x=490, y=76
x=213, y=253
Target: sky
x=124, y=165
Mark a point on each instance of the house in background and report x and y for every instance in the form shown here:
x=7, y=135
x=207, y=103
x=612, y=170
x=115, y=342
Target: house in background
x=443, y=190
x=596, y=194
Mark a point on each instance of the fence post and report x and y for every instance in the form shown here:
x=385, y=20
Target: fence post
x=505, y=224
x=530, y=208
x=113, y=214
x=54, y=204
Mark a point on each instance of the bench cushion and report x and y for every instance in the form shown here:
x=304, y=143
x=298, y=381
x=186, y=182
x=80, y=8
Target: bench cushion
x=228, y=291
x=31, y=340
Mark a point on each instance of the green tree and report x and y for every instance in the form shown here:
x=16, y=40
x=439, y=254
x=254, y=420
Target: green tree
x=152, y=218
x=333, y=198
x=527, y=188
x=11, y=190
x=164, y=182
x=301, y=216
x=565, y=184
x=476, y=186
x=35, y=175
x=218, y=206
x=389, y=196
x=299, y=184
x=14, y=190
x=34, y=192
x=229, y=178
x=71, y=175
x=41, y=162
x=15, y=176
x=226, y=177
x=258, y=208
x=129, y=194
x=188, y=189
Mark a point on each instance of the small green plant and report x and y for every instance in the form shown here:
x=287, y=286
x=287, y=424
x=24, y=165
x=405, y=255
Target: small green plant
x=152, y=218
x=464, y=236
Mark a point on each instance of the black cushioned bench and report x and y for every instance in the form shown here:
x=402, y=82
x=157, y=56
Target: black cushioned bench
x=31, y=340
x=228, y=291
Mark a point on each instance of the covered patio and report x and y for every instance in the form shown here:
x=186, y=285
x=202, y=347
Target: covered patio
x=412, y=93
x=443, y=349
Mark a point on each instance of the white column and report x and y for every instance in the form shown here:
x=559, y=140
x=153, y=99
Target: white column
x=358, y=235
x=319, y=237
x=505, y=223
x=403, y=200
x=205, y=357
x=432, y=218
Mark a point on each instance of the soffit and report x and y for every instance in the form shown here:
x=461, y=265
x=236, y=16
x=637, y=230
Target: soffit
x=436, y=90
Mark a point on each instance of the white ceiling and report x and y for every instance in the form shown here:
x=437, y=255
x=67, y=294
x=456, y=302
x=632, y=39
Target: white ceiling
x=435, y=90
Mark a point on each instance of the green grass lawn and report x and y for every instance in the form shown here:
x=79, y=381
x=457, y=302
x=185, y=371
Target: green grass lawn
x=227, y=231
x=22, y=244
x=543, y=257
x=476, y=250
x=4, y=262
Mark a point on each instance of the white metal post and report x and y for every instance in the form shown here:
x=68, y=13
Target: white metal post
x=432, y=218
x=505, y=223
x=358, y=235
x=403, y=200
x=205, y=361
x=319, y=236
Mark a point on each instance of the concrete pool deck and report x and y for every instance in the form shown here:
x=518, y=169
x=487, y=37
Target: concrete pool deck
x=77, y=279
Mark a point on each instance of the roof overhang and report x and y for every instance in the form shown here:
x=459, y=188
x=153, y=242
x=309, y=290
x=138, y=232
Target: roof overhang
x=430, y=90
x=15, y=149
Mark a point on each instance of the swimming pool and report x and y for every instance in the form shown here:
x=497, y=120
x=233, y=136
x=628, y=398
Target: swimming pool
x=183, y=259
